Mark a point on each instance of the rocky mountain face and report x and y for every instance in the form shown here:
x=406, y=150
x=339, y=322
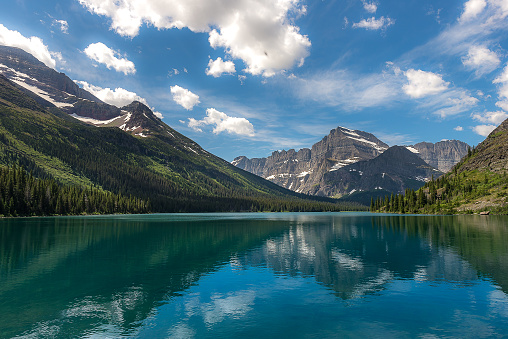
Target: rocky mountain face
x=491, y=154
x=30, y=74
x=21, y=67
x=442, y=155
x=331, y=168
x=302, y=170
x=393, y=171
x=52, y=87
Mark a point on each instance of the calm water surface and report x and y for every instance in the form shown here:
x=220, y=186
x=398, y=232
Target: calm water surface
x=270, y=275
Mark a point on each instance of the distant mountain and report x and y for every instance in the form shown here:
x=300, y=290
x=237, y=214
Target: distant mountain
x=135, y=154
x=302, y=171
x=442, y=155
x=325, y=169
x=393, y=171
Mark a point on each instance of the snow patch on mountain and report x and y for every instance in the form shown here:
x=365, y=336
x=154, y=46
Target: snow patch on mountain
x=281, y=175
x=22, y=79
x=414, y=150
x=43, y=94
x=93, y=121
x=342, y=163
x=303, y=174
x=372, y=143
x=191, y=149
x=127, y=116
x=350, y=132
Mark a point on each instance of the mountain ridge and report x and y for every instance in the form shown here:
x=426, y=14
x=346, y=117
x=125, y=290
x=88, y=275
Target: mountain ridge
x=303, y=169
x=442, y=155
x=477, y=184
x=394, y=171
x=167, y=170
x=311, y=170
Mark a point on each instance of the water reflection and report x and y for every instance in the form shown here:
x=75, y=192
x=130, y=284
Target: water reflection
x=152, y=276
x=359, y=255
x=112, y=270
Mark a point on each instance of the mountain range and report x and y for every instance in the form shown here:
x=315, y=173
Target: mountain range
x=54, y=129
x=302, y=170
x=350, y=162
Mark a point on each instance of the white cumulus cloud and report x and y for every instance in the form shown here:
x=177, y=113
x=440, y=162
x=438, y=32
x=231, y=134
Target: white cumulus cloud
x=484, y=130
x=374, y=24
x=118, y=97
x=472, y=9
x=502, y=79
x=32, y=45
x=217, y=67
x=105, y=55
x=423, y=83
x=370, y=7
x=62, y=24
x=259, y=32
x=481, y=59
x=503, y=104
x=223, y=123
x=184, y=97
x=459, y=128
x=491, y=117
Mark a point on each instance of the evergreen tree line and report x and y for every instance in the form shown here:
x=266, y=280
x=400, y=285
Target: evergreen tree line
x=21, y=194
x=444, y=194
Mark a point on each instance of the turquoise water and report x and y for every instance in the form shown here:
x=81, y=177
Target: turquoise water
x=263, y=275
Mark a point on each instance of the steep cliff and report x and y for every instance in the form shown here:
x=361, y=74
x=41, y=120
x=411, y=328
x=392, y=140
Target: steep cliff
x=393, y=171
x=442, y=155
x=303, y=170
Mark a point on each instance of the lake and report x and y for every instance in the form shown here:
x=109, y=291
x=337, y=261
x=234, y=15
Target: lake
x=260, y=275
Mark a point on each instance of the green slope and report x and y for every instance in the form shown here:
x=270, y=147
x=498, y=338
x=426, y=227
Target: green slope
x=168, y=169
x=478, y=183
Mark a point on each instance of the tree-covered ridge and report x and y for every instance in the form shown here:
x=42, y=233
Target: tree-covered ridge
x=166, y=169
x=22, y=194
x=465, y=189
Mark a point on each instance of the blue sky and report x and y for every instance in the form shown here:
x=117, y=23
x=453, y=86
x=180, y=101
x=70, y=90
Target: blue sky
x=246, y=77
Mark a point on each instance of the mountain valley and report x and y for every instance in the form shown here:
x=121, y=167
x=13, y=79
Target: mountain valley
x=56, y=130
x=133, y=153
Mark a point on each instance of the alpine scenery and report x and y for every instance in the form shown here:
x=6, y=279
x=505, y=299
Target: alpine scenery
x=253, y=168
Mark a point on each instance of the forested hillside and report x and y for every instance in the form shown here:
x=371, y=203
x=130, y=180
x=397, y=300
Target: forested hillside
x=478, y=183
x=21, y=194
x=174, y=174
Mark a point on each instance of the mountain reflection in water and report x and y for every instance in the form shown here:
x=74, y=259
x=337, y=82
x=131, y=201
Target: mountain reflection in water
x=143, y=276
